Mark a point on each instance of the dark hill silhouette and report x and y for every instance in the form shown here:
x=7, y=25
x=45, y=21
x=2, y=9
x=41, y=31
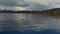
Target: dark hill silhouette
x=54, y=11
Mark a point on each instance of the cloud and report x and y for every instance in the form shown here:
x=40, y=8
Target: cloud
x=19, y=8
x=29, y=4
x=13, y=3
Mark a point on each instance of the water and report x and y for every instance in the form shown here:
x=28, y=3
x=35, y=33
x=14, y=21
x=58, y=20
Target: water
x=26, y=22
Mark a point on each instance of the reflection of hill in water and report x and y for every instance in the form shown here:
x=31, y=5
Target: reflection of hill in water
x=30, y=20
x=23, y=21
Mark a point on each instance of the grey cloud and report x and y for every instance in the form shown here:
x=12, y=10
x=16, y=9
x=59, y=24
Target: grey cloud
x=27, y=4
x=13, y=3
x=37, y=7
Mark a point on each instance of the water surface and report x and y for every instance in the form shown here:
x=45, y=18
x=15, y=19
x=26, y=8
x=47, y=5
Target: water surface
x=26, y=22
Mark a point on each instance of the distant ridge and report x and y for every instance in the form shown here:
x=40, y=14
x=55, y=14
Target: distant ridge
x=54, y=10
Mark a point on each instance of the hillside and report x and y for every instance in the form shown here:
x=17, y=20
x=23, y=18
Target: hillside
x=51, y=12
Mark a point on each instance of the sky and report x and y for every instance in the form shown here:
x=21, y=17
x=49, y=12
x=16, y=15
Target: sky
x=29, y=4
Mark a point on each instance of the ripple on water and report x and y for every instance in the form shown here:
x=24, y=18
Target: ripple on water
x=22, y=21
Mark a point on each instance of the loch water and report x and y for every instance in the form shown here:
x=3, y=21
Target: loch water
x=24, y=22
